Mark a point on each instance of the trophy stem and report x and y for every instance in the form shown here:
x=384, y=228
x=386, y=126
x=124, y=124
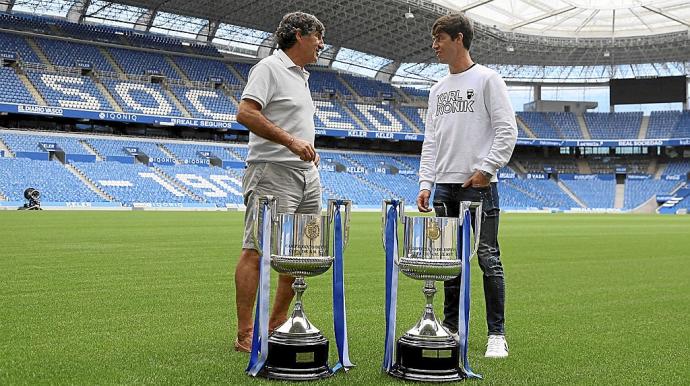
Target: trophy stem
x=429, y=292
x=298, y=322
x=299, y=286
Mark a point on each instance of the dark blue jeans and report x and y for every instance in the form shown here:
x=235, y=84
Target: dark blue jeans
x=446, y=201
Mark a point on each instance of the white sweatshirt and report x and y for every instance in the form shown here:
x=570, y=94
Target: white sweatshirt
x=470, y=125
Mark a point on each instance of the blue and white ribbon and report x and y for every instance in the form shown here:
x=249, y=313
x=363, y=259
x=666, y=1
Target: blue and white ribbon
x=465, y=253
x=339, y=311
x=259, y=353
x=391, y=245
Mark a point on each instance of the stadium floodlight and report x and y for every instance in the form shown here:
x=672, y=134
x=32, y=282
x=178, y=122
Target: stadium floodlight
x=34, y=198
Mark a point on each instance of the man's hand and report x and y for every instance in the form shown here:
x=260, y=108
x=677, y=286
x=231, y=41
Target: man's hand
x=303, y=149
x=423, y=201
x=477, y=180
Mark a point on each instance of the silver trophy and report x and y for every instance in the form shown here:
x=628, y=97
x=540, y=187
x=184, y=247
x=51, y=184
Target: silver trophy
x=297, y=350
x=428, y=351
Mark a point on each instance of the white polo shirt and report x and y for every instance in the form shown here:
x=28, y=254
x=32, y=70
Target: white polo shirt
x=282, y=89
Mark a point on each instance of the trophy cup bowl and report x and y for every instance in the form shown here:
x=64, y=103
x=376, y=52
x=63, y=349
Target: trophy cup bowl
x=428, y=351
x=298, y=351
x=301, y=244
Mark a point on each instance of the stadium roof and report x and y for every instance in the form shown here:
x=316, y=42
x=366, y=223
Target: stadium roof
x=389, y=35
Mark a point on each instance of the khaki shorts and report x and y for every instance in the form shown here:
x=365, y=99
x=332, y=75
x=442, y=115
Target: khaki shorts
x=297, y=190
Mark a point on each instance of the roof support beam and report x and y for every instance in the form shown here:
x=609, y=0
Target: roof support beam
x=542, y=17
x=208, y=32
x=664, y=14
x=586, y=21
x=145, y=21
x=77, y=11
x=474, y=5
x=385, y=73
x=327, y=56
x=267, y=47
x=6, y=5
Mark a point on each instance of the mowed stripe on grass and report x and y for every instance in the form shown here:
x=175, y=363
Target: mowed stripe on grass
x=148, y=297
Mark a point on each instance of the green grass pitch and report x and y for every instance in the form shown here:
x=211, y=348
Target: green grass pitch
x=148, y=298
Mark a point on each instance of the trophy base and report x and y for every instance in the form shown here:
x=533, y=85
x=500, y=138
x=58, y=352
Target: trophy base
x=297, y=357
x=427, y=360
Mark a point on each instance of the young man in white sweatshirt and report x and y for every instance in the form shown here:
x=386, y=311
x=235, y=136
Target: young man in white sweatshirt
x=470, y=133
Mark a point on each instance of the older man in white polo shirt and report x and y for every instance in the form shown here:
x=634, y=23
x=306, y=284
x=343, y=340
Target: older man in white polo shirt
x=278, y=110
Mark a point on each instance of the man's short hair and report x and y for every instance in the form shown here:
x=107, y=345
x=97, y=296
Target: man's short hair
x=294, y=22
x=452, y=25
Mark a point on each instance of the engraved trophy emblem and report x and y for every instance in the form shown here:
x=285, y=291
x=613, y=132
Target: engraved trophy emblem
x=312, y=230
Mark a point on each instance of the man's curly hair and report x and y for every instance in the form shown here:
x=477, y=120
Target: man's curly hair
x=292, y=23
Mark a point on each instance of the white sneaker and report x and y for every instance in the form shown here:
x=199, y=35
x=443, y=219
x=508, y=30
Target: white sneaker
x=496, y=347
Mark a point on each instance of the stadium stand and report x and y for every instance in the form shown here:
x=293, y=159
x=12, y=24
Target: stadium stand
x=130, y=183
x=682, y=129
x=24, y=23
x=17, y=44
x=32, y=143
x=326, y=82
x=637, y=192
x=55, y=183
x=539, y=125
x=614, y=125
x=113, y=147
x=242, y=69
x=206, y=103
x=566, y=124
x=213, y=184
x=416, y=93
x=72, y=54
x=679, y=167
x=542, y=193
x=365, y=178
x=539, y=165
x=370, y=88
x=192, y=150
x=75, y=92
x=662, y=123
x=11, y=88
x=416, y=115
x=330, y=114
x=142, y=62
x=380, y=117
x=139, y=97
x=594, y=192
x=202, y=70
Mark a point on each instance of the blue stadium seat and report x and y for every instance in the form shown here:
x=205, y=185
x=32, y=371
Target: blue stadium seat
x=380, y=118
x=142, y=98
x=74, y=92
x=132, y=183
x=637, y=192
x=12, y=89
x=595, y=193
x=142, y=63
x=331, y=115
x=69, y=54
x=206, y=103
x=51, y=178
x=614, y=125
x=213, y=184
x=18, y=45
x=201, y=70
x=21, y=142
